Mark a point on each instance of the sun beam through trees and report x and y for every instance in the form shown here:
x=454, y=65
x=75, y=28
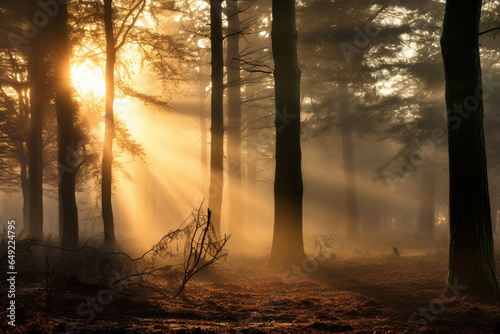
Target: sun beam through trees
x=228, y=166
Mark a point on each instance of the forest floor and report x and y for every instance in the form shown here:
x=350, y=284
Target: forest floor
x=359, y=293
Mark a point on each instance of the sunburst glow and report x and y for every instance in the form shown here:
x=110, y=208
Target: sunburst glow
x=87, y=79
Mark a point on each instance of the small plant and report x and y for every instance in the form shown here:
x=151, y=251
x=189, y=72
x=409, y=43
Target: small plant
x=164, y=260
x=324, y=246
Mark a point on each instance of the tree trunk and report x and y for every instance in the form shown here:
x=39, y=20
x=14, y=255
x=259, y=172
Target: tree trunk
x=234, y=115
x=251, y=160
x=65, y=123
x=251, y=188
x=24, y=113
x=252, y=157
x=25, y=187
x=37, y=81
x=351, y=200
x=203, y=127
x=217, y=124
x=472, y=257
x=288, y=246
x=427, y=212
x=109, y=122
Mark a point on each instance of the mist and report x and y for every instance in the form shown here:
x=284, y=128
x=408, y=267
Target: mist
x=342, y=153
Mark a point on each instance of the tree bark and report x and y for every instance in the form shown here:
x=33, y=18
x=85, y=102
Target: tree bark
x=288, y=246
x=37, y=81
x=472, y=257
x=217, y=118
x=427, y=211
x=109, y=122
x=65, y=122
x=234, y=115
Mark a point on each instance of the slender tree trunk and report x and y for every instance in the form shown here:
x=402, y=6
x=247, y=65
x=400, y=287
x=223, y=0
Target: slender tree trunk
x=203, y=127
x=251, y=160
x=472, y=257
x=37, y=81
x=65, y=123
x=24, y=113
x=427, y=211
x=234, y=115
x=251, y=189
x=109, y=122
x=25, y=187
x=217, y=124
x=288, y=246
x=351, y=197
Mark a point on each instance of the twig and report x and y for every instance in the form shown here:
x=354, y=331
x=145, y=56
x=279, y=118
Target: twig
x=489, y=30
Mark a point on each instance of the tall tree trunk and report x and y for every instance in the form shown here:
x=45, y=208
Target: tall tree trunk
x=65, y=123
x=251, y=159
x=24, y=112
x=37, y=82
x=109, y=122
x=288, y=246
x=351, y=200
x=251, y=186
x=203, y=126
x=25, y=187
x=427, y=211
x=234, y=115
x=472, y=257
x=217, y=124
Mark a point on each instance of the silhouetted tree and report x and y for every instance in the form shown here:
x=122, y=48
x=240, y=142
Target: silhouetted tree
x=109, y=124
x=217, y=118
x=288, y=246
x=68, y=141
x=113, y=44
x=472, y=257
x=234, y=103
x=37, y=76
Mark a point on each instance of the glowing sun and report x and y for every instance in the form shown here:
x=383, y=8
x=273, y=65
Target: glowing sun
x=88, y=80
